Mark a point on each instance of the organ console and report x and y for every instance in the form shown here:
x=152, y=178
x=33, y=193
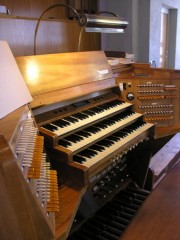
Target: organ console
x=86, y=129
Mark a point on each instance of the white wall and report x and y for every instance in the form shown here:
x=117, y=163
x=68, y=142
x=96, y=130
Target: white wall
x=118, y=42
x=142, y=36
x=174, y=31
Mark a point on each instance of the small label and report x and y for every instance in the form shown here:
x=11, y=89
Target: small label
x=103, y=71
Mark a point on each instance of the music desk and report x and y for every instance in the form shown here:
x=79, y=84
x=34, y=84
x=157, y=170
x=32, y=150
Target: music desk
x=159, y=217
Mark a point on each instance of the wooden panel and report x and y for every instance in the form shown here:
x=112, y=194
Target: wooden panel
x=70, y=196
x=71, y=93
x=145, y=70
x=165, y=159
x=34, y=8
x=55, y=76
x=8, y=123
x=56, y=34
x=52, y=37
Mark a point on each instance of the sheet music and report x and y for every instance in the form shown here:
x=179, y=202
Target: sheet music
x=13, y=90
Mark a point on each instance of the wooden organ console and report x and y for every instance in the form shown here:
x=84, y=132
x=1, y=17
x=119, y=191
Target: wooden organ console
x=97, y=140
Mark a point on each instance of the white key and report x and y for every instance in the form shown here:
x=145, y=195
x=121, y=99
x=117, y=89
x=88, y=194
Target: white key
x=102, y=133
x=109, y=150
x=63, y=130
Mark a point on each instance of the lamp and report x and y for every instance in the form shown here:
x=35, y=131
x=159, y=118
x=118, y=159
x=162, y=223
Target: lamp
x=91, y=23
x=103, y=24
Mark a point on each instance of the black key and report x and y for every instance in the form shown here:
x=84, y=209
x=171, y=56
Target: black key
x=105, y=143
x=128, y=130
x=92, y=130
x=116, y=102
x=106, y=106
x=88, y=153
x=89, y=113
x=120, y=134
x=97, y=148
x=84, y=134
x=118, y=138
x=71, y=119
x=121, y=116
x=80, y=116
x=79, y=159
x=111, y=104
x=50, y=127
x=64, y=143
x=96, y=110
x=101, y=126
x=108, y=122
x=74, y=138
x=113, y=138
x=61, y=123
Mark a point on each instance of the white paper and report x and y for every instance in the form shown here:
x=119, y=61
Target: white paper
x=13, y=90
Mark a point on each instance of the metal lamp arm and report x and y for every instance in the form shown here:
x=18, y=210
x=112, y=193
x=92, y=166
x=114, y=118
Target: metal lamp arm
x=46, y=10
